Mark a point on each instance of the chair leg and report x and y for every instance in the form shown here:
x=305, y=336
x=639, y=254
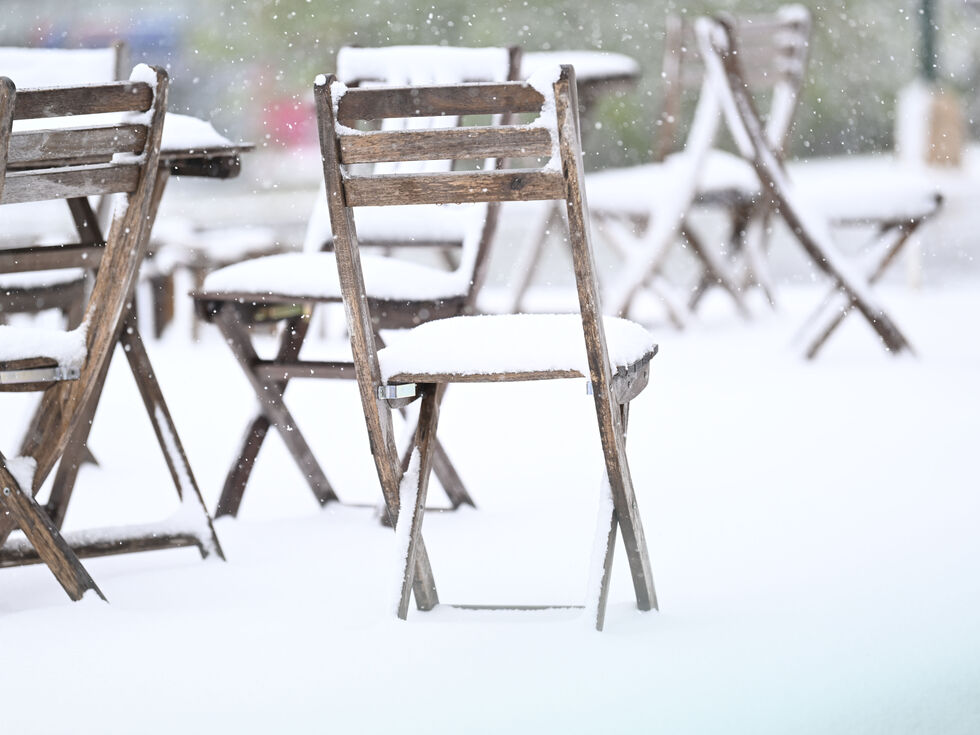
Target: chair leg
x=612, y=433
x=166, y=432
x=269, y=394
x=833, y=319
x=414, y=486
x=445, y=472
x=237, y=478
x=44, y=537
x=613, y=527
x=714, y=269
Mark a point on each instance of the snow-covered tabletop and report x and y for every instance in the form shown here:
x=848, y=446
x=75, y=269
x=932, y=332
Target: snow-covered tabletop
x=590, y=66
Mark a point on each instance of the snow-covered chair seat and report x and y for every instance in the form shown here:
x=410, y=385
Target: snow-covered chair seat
x=635, y=191
x=511, y=346
x=313, y=277
x=32, y=357
x=864, y=191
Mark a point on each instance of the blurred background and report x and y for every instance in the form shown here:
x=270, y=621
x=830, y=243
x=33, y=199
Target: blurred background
x=248, y=65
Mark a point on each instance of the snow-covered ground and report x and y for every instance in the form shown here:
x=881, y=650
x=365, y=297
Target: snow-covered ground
x=812, y=528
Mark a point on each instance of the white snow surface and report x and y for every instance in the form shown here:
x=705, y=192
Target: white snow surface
x=503, y=343
x=398, y=65
x=589, y=65
x=43, y=67
x=22, y=469
x=19, y=343
x=33, y=279
x=812, y=532
x=314, y=275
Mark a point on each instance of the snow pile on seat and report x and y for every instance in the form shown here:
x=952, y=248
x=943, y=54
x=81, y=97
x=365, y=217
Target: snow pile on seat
x=417, y=222
x=637, y=190
x=505, y=343
x=314, y=276
x=21, y=343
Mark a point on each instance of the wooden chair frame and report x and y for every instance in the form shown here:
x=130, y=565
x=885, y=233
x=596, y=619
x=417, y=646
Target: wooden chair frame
x=74, y=164
x=851, y=291
x=405, y=489
x=236, y=313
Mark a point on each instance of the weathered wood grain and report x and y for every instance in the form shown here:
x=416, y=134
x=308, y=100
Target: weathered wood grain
x=436, y=145
x=52, y=146
x=377, y=416
x=70, y=182
x=463, y=99
x=86, y=99
x=607, y=412
x=453, y=187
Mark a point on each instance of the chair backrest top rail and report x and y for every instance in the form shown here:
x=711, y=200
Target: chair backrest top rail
x=88, y=99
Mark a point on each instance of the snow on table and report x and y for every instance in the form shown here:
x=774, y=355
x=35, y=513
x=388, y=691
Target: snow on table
x=589, y=65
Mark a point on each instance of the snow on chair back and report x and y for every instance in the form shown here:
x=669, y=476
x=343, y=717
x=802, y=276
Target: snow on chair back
x=774, y=53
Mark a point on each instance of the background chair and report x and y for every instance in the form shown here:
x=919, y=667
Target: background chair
x=63, y=289
x=851, y=289
x=613, y=353
x=286, y=288
x=643, y=210
x=59, y=162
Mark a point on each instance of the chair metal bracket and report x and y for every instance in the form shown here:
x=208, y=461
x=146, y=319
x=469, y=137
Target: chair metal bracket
x=54, y=374
x=392, y=392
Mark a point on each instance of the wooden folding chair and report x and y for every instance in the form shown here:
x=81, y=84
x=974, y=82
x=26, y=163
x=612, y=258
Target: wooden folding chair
x=43, y=159
x=62, y=289
x=286, y=288
x=643, y=210
x=851, y=290
x=499, y=348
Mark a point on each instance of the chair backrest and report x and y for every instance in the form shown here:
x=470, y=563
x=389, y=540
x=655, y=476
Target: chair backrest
x=398, y=66
x=55, y=151
x=551, y=140
x=774, y=51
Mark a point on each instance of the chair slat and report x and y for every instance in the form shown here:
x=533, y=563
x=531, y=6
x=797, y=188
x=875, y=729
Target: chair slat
x=59, y=145
x=464, y=99
x=454, y=187
x=50, y=257
x=437, y=145
x=69, y=183
x=85, y=100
